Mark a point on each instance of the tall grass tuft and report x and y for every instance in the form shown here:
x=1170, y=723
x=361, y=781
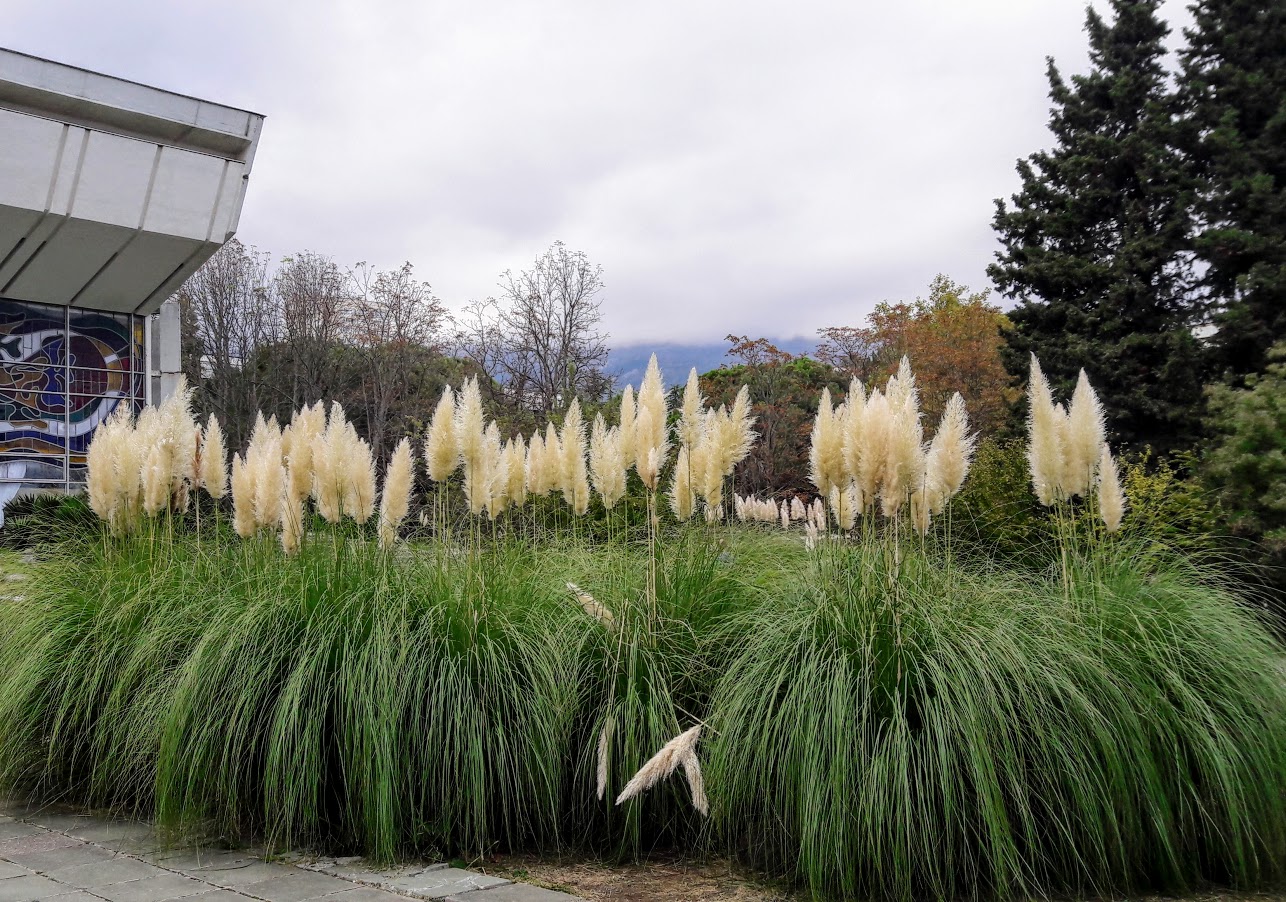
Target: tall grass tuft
x=343, y=698
x=899, y=728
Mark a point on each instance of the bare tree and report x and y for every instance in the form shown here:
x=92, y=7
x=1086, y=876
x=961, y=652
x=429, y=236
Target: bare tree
x=540, y=339
x=229, y=315
x=396, y=318
x=316, y=301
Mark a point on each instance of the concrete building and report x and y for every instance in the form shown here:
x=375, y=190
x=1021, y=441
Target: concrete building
x=111, y=194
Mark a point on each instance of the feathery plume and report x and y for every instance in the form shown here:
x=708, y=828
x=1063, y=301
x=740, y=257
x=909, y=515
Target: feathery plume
x=1111, y=500
x=536, y=465
x=904, y=453
x=947, y=461
x=797, y=511
x=691, y=414
x=441, y=452
x=1044, y=437
x=395, y=500
x=664, y=763
x=307, y=427
x=872, y=443
x=606, y=468
x=1085, y=431
x=629, y=412
x=825, y=452
x=516, y=472
x=593, y=607
x=651, y=430
x=263, y=461
x=844, y=507
x=604, y=737
x=469, y=426
x=682, y=498
x=553, y=459
x=214, y=461
x=574, y=475
x=785, y=516
x=243, y=498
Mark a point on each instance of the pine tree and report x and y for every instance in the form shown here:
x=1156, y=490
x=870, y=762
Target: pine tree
x=1233, y=108
x=1093, y=247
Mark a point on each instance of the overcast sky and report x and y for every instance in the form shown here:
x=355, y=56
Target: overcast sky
x=763, y=168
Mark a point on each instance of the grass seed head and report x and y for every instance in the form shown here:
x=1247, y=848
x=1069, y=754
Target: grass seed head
x=441, y=452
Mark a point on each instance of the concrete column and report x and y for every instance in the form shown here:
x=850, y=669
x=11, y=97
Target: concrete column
x=166, y=352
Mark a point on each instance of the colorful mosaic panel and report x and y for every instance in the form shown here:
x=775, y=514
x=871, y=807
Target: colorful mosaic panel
x=62, y=372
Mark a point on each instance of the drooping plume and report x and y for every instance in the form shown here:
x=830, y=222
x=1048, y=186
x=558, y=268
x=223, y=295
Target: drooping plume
x=678, y=752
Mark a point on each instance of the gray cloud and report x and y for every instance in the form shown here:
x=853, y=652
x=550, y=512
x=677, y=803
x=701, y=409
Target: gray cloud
x=763, y=168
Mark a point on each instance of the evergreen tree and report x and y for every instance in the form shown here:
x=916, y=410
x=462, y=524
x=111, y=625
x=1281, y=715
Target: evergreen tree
x=1233, y=107
x=1093, y=247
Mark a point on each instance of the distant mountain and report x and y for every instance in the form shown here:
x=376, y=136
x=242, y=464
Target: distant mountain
x=628, y=362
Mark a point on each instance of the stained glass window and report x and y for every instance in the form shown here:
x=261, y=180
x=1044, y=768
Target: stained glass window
x=62, y=372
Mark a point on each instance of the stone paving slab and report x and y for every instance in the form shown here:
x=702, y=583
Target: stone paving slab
x=58, y=857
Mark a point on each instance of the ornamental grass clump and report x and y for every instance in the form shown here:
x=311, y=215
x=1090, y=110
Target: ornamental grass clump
x=911, y=727
x=341, y=699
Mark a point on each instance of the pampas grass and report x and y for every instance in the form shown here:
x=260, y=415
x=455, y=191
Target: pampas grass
x=1111, y=499
x=678, y=752
x=911, y=729
x=441, y=450
x=213, y=467
x=395, y=500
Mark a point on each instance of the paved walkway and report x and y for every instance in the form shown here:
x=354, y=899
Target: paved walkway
x=80, y=858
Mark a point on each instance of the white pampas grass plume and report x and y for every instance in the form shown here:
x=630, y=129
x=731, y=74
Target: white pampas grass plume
x=469, y=426
x=947, y=461
x=1045, y=434
x=592, y=606
x=180, y=433
x=553, y=460
x=743, y=425
x=1085, y=431
x=810, y=535
x=785, y=516
x=871, y=443
x=606, y=466
x=797, y=511
x=692, y=413
x=395, y=500
x=516, y=472
x=480, y=480
x=441, y=452
x=920, y=510
x=904, y=454
x=263, y=461
x=696, y=782
x=327, y=467
x=682, y=499
x=243, y=498
x=826, y=450
x=629, y=412
x=306, y=429
x=536, y=465
x=660, y=766
x=1111, y=499
x=574, y=473
x=651, y=430
x=901, y=386
x=157, y=466
x=844, y=507
x=854, y=422
x=214, y=460
x=604, y=738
